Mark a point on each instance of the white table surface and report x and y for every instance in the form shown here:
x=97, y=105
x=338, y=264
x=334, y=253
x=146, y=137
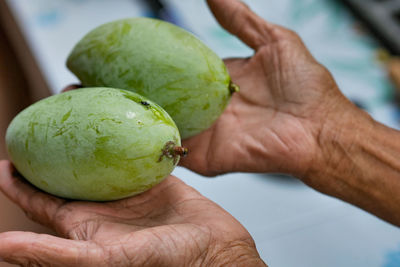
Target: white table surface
x=291, y=224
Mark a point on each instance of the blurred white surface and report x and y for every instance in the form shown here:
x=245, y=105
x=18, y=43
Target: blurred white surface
x=291, y=224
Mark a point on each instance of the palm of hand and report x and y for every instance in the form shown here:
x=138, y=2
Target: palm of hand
x=273, y=123
x=170, y=225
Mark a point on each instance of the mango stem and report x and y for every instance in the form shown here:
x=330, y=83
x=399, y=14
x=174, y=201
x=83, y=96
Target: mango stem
x=233, y=88
x=172, y=151
x=181, y=151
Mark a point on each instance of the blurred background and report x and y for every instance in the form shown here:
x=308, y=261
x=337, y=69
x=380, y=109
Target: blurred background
x=359, y=42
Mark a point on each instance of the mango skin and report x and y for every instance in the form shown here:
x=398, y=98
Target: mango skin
x=160, y=61
x=96, y=144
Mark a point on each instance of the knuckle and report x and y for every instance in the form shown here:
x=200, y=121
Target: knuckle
x=292, y=35
x=285, y=34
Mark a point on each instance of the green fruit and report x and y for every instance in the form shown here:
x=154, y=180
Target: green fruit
x=160, y=61
x=94, y=144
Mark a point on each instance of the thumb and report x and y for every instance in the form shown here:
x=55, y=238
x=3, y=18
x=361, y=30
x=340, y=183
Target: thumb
x=237, y=18
x=30, y=249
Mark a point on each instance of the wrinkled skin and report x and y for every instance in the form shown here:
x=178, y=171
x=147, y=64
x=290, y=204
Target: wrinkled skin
x=273, y=124
x=170, y=225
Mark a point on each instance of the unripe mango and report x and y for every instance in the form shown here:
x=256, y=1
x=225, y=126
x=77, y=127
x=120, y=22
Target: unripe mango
x=159, y=61
x=94, y=144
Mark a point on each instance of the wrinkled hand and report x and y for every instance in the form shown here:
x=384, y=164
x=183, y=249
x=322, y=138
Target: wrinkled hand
x=274, y=123
x=170, y=225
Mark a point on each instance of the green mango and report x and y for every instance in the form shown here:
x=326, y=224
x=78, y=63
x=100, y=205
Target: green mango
x=161, y=62
x=96, y=144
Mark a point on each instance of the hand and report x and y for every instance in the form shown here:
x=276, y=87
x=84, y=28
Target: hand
x=170, y=225
x=274, y=123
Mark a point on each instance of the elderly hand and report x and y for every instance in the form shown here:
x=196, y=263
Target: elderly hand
x=274, y=123
x=170, y=225
x=290, y=117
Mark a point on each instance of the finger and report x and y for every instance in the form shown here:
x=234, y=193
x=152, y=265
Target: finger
x=159, y=198
x=71, y=87
x=39, y=206
x=238, y=19
x=30, y=249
